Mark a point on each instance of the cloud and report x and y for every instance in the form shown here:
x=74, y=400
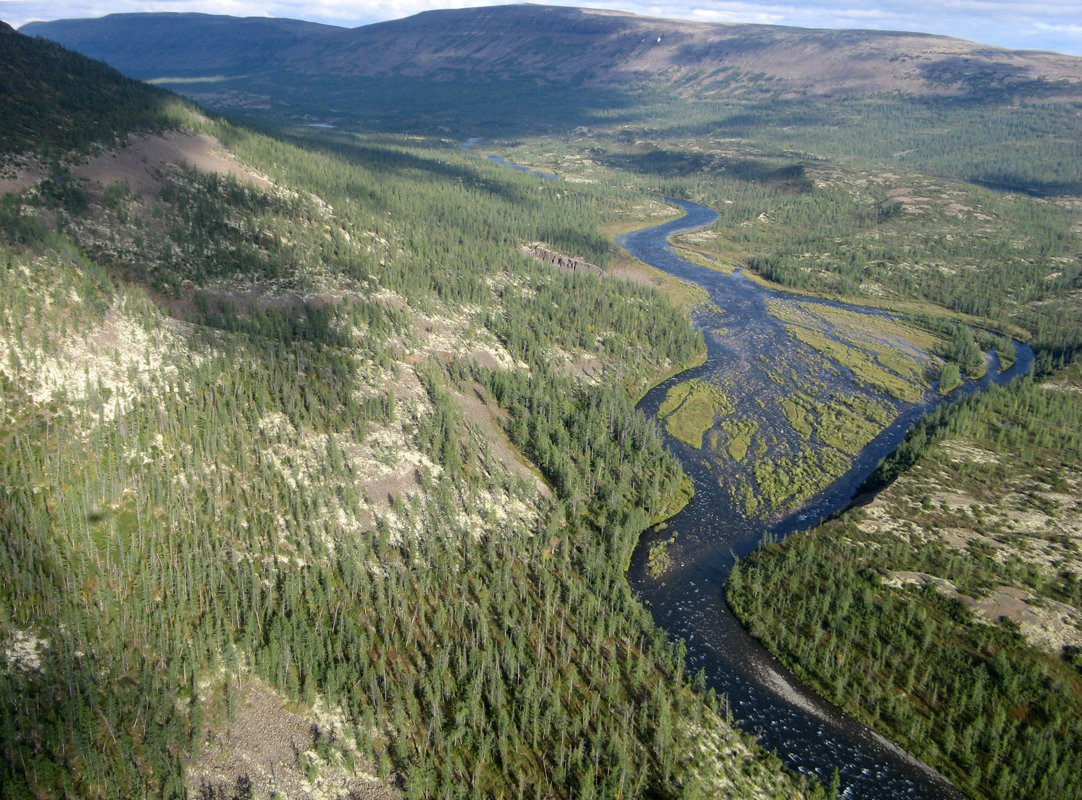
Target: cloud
x=1049, y=24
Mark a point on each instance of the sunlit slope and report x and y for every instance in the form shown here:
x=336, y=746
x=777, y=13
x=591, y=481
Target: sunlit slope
x=578, y=66
x=303, y=487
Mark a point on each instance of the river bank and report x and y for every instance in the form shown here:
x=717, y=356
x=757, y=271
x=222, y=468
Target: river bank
x=759, y=360
x=745, y=345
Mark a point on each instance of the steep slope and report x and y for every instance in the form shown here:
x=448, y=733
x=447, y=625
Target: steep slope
x=295, y=492
x=56, y=101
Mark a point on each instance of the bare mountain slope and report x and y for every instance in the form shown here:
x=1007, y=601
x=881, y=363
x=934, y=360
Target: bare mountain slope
x=575, y=47
x=607, y=48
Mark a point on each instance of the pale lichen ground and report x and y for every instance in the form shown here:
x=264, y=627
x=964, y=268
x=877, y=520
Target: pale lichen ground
x=460, y=334
x=391, y=470
x=282, y=749
x=1046, y=624
x=728, y=764
x=22, y=651
x=1027, y=522
x=121, y=360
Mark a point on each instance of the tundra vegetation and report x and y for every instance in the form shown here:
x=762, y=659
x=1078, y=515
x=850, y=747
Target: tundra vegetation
x=323, y=432
x=315, y=434
x=946, y=613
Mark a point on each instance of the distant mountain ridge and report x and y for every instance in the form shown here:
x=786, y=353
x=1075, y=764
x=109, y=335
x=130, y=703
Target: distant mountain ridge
x=578, y=47
x=147, y=46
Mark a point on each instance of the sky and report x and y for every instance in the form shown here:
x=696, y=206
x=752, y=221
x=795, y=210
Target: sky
x=1017, y=24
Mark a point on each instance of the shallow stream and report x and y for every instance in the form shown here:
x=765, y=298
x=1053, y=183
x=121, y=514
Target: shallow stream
x=757, y=362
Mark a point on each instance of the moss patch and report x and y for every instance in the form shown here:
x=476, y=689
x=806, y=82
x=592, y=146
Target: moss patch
x=860, y=363
x=690, y=409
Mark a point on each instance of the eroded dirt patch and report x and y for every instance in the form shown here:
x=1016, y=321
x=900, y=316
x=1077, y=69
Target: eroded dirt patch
x=141, y=162
x=276, y=751
x=481, y=412
x=1045, y=623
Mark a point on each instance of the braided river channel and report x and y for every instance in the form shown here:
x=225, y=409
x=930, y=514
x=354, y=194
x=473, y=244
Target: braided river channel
x=759, y=366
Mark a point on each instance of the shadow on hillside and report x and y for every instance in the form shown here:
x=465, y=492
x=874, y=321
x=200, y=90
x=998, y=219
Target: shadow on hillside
x=988, y=81
x=1014, y=182
x=675, y=163
x=453, y=104
x=391, y=159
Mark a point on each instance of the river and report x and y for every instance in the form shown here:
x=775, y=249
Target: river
x=758, y=363
x=755, y=360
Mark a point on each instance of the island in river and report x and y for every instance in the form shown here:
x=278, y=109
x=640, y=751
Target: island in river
x=798, y=401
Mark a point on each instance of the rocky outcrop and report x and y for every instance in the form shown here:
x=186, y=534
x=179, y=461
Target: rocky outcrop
x=562, y=262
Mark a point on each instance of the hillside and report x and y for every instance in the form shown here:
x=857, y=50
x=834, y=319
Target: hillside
x=585, y=59
x=313, y=484
x=953, y=598
x=148, y=46
x=56, y=101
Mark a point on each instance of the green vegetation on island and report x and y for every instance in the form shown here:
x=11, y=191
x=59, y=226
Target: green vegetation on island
x=691, y=408
x=946, y=613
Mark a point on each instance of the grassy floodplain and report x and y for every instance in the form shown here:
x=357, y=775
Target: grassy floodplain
x=691, y=408
x=946, y=612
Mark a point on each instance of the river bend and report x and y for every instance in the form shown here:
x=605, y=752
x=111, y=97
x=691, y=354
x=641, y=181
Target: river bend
x=758, y=363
